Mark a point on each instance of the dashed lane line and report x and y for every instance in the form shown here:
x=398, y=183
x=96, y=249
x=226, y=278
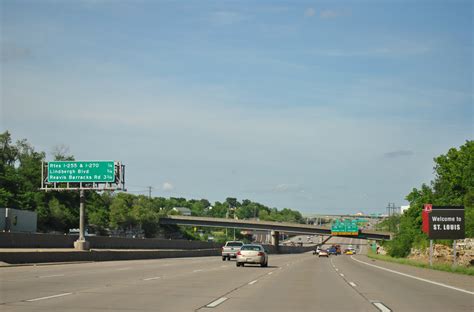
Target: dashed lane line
x=48, y=297
x=54, y=275
x=215, y=303
x=414, y=277
x=381, y=307
x=253, y=282
x=152, y=278
x=352, y=284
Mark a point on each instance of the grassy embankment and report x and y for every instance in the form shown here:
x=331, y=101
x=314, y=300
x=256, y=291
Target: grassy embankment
x=436, y=266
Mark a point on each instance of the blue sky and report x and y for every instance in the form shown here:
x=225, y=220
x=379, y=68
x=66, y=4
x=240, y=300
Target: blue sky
x=320, y=106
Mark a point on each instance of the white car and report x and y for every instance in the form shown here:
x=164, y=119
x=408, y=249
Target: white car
x=323, y=253
x=252, y=253
x=230, y=249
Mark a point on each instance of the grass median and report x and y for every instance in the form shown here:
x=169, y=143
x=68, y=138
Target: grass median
x=436, y=266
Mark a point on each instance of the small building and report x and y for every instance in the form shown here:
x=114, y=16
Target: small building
x=18, y=221
x=182, y=210
x=404, y=208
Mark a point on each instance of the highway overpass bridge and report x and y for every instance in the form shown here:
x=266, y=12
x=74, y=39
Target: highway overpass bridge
x=275, y=227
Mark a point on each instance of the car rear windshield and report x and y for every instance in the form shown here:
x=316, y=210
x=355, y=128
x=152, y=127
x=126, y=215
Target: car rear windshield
x=233, y=244
x=255, y=248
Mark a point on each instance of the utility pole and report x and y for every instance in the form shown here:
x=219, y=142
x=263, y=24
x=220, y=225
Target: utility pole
x=391, y=209
x=149, y=192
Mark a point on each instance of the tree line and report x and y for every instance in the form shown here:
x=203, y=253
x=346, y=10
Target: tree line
x=20, y=178
x=453, y=185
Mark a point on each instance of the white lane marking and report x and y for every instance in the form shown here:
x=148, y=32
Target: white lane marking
x=414, y=277
x=253, y=282
x=55, y=275
x=216, y=302
x=336, y=269
x=48, y=297
x=198, y=270
x=270, y=273
x=123, y=269
x=223, y=266
x=342, y=275
x=381, y=307
x=152, y=278
x=352, y=284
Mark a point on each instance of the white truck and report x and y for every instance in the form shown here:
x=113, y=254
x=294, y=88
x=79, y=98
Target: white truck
x=230, y=249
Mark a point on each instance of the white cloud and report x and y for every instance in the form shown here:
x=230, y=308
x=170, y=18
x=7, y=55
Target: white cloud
x=327, y=14
x=399, y=153
x=167, y=186
x=284, y=187
x=309, y=12
x=12, y=52
x=388, y=49
x=226, y=17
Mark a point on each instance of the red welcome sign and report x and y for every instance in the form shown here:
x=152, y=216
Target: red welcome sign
x=425, y=218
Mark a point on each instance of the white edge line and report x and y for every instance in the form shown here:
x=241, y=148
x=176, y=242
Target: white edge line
x=353, y=284
x=414, y=277
x=215, y=303
x=381, y=307
x=342, y=275
x=48, y=297
x=152, y=278
x=200, y=270
x=253, y=282
x=270, y=273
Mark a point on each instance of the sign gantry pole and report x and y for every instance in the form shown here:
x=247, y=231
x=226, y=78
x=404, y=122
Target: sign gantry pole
x=81, y=243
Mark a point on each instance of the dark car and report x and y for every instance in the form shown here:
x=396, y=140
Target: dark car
x=332, y=251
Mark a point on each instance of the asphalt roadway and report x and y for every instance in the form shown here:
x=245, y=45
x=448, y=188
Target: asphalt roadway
x=301, y=282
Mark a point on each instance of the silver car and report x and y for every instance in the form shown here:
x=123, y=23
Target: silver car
x=252, y=253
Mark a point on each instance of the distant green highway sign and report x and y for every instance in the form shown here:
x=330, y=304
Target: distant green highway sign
x=81, y=171
x=347, y=228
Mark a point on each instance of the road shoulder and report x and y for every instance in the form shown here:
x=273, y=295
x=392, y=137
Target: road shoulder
x=461, y=281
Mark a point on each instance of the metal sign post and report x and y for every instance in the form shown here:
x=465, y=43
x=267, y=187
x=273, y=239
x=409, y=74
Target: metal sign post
x=454, y=254
x=431, y=252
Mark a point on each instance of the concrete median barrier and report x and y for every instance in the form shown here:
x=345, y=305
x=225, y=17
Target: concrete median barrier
x=45, y=256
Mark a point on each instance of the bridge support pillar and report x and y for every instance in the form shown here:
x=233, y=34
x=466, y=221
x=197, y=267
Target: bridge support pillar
x=276, y=239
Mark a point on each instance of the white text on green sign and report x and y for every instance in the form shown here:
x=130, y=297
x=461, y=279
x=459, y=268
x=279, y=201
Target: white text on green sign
x=81, y=171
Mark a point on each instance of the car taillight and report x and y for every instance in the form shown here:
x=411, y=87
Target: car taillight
x=238, y=253
x=261, y=254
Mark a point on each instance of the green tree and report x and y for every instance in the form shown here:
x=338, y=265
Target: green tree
x=120, y=211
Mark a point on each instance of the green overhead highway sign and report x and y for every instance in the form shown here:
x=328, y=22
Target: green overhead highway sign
x=346, y=227
x=81, y=171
